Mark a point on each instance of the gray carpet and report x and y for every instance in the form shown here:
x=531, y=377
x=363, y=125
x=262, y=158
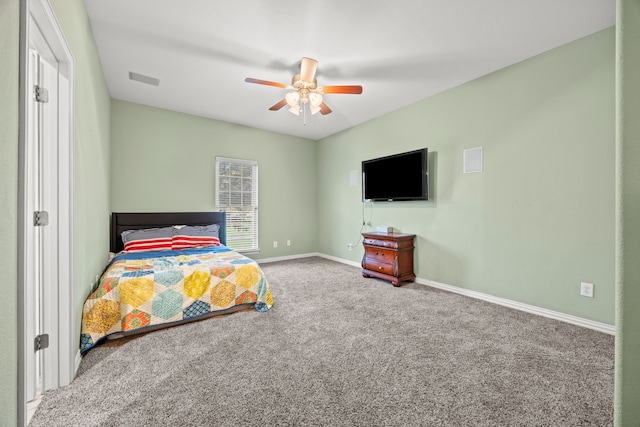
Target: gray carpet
x=340, y=350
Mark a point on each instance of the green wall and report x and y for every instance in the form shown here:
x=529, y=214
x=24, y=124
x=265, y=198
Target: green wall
x=9, y=72
x=535, y=223
x=627, y=374
x=92, y=109
x=165, y=161
x=538, y=220
x=91, y=151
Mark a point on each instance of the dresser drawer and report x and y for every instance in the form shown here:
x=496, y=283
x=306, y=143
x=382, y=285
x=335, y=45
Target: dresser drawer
x=388, y=256
x=375, y=264
x=380, y=243
x=380, y=254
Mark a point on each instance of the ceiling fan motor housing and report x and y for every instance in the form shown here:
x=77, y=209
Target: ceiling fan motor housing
x=298, y=83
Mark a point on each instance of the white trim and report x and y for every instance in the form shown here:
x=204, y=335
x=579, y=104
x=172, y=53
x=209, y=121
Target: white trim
x=341, y=260
x=286, y=258
x=32, y=405
x=50, y=27
x=45, y=19
x=77, y=362
x=556, y=315
x=574, y=320
x=236, y=160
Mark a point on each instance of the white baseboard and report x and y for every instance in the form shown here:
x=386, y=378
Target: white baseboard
x=286, y=258
x=579, y=321
x=32, y=405
x=574, y=320
x=341, y=260
x=77, y=363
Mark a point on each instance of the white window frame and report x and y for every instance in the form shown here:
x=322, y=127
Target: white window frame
x=239, y=205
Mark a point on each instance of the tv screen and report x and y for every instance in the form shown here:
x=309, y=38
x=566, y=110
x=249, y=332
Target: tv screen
x=398, y=177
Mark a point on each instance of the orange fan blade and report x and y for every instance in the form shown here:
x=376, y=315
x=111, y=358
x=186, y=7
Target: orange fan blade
x=279, y=105
x=308, y=69
x=265, y=82
x=356, y=90
x=324, y=109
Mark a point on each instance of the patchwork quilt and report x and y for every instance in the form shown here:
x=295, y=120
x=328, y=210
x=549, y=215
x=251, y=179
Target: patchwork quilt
x=138, y=290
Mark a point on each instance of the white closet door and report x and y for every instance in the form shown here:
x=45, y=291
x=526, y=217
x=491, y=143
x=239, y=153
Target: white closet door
x=41, y=156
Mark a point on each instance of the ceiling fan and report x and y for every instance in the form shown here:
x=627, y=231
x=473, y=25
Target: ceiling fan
x=305, y=90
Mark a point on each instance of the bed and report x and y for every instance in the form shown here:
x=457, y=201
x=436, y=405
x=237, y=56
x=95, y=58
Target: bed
x=169, y=269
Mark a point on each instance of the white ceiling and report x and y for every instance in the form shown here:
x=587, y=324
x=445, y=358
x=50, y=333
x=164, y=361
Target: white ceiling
x=400, y=51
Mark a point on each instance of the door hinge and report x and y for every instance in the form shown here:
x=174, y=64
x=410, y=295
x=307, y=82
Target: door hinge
x=40, y=218
x=41, y=341
x=40, y=94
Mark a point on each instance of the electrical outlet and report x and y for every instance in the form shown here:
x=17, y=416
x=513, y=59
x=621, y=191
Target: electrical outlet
x=350, y=246
x=275, y=243
x=586, y=289
x=288, y=242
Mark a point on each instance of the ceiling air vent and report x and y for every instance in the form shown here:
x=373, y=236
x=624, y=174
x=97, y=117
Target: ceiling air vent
x=144, y=79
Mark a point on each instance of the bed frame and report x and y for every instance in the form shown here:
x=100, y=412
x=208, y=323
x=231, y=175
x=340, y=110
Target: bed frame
x=137, y=221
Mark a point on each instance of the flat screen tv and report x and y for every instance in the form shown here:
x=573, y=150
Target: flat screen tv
x=398, y=177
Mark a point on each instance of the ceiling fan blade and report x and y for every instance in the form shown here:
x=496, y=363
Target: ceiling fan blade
x=308, y=69
x=279, y=105
x=324, y=109
x=265, y=82
x=356, y=90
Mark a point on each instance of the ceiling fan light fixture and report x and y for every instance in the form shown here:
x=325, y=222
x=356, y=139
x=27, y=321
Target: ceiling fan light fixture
x=314, y=108
x=292, y=98
x=315, y=99
x=295, y=109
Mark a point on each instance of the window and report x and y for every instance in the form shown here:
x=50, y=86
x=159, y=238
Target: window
x=237, y=195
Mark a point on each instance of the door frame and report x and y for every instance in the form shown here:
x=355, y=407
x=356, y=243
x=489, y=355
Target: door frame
x=66, y=358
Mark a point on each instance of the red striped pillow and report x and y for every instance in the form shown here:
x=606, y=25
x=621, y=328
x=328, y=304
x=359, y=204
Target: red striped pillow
x=185, y=242
x=141, y=245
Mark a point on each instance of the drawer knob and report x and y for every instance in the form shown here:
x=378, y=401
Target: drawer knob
x=379, y=267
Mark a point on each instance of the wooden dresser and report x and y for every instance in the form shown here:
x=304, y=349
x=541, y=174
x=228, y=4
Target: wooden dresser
x=388, y=257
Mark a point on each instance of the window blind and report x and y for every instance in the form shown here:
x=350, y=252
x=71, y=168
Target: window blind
x=237, y=195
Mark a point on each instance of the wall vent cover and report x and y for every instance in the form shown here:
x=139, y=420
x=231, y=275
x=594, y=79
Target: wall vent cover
x=472, y=161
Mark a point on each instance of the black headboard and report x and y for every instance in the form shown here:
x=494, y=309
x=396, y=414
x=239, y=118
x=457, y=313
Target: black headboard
x=136, y=221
